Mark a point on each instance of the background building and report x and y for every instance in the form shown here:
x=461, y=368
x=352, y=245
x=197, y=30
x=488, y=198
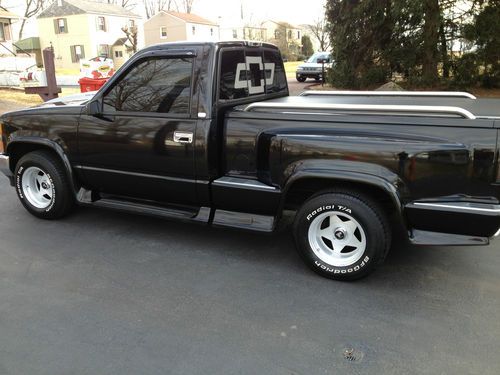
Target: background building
x=175, y=26
x=80, y=29
x=6, y=37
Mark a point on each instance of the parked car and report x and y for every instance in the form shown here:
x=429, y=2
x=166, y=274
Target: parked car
x=207, y=133
x=313, y=67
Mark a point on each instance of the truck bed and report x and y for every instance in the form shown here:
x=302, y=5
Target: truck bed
x=326, y=103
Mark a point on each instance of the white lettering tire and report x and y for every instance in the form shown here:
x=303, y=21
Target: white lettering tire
x=341, y=235
x=42, y=185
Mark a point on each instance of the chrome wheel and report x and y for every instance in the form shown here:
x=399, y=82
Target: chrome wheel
x=37, y=187
x=337, y=239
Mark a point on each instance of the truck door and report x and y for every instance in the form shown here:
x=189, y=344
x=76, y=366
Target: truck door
x=141, y=145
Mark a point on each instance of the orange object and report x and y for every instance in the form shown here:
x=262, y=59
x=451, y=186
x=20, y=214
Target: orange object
x=91, y=84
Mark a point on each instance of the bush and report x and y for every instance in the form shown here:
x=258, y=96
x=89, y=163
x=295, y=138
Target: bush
x=343, y=76
x=466, y=71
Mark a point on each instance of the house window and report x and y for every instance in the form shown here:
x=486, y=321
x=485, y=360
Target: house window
x=60, y=26
x=103, y=50
x=101, y=24
x=298, y=34
x=118, y=53
x=153, y=85
x=77, y=53
x=235, y=34
x=193, y=29
x=4, y=32
x=289, y=34
x=163, y=32
x=131, y=23
x=211, y=32
x=276, y=34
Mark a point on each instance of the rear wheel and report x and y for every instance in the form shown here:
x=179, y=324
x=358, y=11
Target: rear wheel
x=43, y=186
x=301, y=79
x=341, y=235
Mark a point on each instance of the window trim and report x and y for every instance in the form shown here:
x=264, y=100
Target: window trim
x=58, y=29
x=132, y=65
x=161, y=32
x=77, y=58
x=98, y=25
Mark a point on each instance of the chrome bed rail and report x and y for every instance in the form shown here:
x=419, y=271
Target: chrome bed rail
x=379, y=109
x=432, y=94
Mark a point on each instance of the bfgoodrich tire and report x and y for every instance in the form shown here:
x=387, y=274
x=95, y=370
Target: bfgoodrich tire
x=42, y=185
x=341, y=235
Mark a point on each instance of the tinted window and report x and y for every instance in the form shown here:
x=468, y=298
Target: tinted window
x=274, y=72
x=153, y=85
x=252, y=73
x=233, y=75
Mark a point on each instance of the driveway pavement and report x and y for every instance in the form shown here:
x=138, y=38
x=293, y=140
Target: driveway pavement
x=108, y=293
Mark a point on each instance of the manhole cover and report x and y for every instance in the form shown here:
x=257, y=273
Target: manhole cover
x=353, y=355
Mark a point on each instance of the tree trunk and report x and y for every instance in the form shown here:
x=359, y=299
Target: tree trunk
x=444, y=51
x=432, y=18
x=21, y=29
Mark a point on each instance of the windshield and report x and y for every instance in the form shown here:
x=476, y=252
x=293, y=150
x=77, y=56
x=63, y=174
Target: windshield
x=314, y=58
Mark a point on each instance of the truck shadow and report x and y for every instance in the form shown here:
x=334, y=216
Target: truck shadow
x=405, y=263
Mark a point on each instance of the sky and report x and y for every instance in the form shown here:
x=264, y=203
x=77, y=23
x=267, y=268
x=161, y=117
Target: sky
x=228, y=12
x=293, y=11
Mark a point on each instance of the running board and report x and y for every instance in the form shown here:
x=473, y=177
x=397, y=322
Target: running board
x=201, y=214
x=243, y=220
x=422, y=237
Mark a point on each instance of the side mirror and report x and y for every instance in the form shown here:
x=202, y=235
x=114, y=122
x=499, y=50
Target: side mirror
x=322, y=61
x=94, y=108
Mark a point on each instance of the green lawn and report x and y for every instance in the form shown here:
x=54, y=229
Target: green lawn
x=291, y=67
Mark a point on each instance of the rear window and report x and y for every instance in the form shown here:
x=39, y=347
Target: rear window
x=245, y=73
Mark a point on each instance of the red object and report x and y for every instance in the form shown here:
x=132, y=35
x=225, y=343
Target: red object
x=91, y=84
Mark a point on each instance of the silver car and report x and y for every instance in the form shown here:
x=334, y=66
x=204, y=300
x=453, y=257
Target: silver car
x=312, y=67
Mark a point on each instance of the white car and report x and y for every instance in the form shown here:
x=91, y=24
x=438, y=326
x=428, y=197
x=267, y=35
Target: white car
x=313, y=68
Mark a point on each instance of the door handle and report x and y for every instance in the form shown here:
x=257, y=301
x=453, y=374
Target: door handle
x=183, y=137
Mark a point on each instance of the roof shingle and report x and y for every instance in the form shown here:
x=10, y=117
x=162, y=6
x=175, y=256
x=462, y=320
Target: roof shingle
x=71, y=7
x=191, y=18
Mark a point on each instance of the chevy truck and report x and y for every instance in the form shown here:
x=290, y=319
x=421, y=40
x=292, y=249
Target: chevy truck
x=207, y=133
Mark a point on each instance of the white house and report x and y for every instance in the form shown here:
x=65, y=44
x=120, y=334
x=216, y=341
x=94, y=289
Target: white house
x=78, y=29
x=175, y=26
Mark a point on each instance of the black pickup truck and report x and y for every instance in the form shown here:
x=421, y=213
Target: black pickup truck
x=207, y=132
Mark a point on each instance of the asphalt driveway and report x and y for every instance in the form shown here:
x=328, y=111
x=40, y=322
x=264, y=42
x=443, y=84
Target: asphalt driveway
x=108, y=293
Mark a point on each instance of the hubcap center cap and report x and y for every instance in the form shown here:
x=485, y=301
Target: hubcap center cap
x=45, y=185
x=340, y=233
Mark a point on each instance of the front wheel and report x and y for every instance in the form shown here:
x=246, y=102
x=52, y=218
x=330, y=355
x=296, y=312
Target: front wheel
x=43, y=186
x=342, y=236
x=301, y=79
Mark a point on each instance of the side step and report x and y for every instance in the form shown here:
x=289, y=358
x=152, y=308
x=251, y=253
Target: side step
x=201, y=214
x=422, y=237
x=243, y=220
x=204, y=215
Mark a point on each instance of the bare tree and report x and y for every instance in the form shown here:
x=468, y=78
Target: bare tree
x=320, y=32
x=187, y=5
x=154, y=6
x=32, y=8
x=131, y=33
x=127, y=4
